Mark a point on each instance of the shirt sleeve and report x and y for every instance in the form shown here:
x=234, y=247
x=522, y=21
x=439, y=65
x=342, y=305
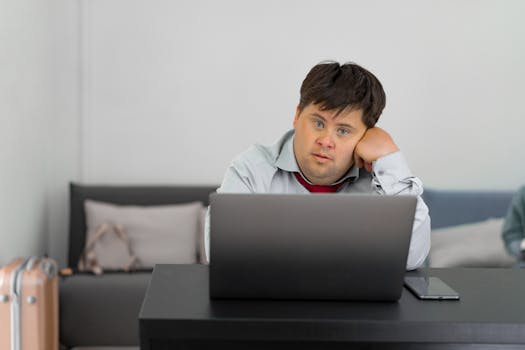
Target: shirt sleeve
x=236, y=180
x=391, y=176
x=513, y=227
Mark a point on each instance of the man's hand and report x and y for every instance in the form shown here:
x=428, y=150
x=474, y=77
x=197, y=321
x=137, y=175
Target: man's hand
x=374, y=144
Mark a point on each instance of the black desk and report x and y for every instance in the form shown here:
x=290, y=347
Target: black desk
x=177, y=313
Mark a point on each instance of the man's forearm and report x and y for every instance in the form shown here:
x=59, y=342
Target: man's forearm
x=391, y=176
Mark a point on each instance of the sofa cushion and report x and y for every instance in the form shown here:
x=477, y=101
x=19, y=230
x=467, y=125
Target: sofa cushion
x=125, y=195
x=101, y=310
x=456, y=207
x=158, y=234
x=470, y=245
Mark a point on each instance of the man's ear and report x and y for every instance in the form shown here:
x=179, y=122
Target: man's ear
x=297, y=112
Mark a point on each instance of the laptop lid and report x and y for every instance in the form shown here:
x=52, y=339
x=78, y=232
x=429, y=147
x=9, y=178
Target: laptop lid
x=322, y=246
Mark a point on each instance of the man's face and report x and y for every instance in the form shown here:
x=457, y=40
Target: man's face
x=324, y=143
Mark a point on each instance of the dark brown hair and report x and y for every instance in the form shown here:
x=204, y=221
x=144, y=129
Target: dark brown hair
x=343, y=87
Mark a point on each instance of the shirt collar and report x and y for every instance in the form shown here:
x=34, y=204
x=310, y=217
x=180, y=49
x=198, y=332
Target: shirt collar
x=286, y=161
x=286, y=157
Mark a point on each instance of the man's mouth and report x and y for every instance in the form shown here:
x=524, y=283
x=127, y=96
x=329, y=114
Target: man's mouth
x=322, y=157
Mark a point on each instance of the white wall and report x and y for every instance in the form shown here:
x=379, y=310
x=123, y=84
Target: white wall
x=39, y=124
x=63, y=153
x=175, y=89
x=129, y=91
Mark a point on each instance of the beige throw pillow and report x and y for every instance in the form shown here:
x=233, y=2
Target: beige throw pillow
x=158, y=234
x=477, y=244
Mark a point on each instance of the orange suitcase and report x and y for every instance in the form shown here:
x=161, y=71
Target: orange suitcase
x=29, y=305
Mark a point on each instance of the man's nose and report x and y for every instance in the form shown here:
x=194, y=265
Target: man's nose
x=326, y=141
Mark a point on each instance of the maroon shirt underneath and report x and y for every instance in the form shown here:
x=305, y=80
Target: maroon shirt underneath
x=317, y=188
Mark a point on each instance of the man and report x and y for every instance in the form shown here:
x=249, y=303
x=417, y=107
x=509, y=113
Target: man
x=334, y=147
x=514, y=227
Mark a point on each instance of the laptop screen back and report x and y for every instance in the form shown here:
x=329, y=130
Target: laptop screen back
x=322, y=246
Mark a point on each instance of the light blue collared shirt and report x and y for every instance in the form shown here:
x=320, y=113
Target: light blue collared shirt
x=270, y=169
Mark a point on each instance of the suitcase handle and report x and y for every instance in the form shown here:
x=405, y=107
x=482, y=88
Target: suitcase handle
x=49, y=267
x=31, y=262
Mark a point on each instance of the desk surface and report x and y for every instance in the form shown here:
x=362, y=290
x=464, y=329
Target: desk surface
x=177, y=306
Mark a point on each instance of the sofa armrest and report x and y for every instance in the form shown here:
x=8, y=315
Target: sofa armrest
x=101, y=310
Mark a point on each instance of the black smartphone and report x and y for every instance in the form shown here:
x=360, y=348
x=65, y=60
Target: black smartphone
x=430, y=288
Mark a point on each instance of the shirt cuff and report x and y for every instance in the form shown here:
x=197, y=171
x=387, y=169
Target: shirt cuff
x=390, y=170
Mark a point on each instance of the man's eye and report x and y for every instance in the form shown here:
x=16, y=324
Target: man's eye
x=318, y=124
x=343, y=131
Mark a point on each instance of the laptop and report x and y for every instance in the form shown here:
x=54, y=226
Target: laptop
x=317, y=247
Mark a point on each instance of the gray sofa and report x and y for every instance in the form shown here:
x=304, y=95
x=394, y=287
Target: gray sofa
x=466, y=228
x=100, y=312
